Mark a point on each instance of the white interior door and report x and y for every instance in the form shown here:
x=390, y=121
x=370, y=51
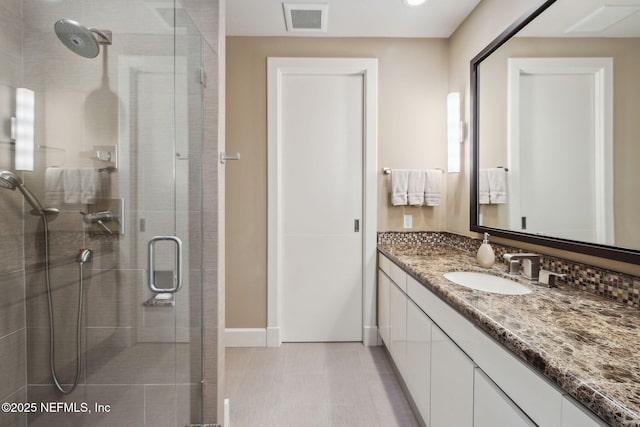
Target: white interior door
x=321, y=194
x=560, y=147
x=553, y=112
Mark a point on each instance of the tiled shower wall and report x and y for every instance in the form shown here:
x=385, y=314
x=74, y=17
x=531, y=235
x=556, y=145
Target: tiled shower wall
x=72, y=93
x=12, y=286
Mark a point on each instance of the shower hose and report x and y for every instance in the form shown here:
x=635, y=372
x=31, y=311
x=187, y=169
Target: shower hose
x=52, y=340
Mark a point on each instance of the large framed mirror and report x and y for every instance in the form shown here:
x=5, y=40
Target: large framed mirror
x=556, y=129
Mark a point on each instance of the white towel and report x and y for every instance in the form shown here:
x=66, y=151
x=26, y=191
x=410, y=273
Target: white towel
x=399, y=186
x=90, y=185
x=81, y=185
x=53, y=187
x=72, y=185
x=415, y=187
x=433, y=187
x=497, y=185
x=483, y=187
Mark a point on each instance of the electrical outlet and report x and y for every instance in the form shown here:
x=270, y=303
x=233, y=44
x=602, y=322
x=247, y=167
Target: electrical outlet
x=408, y=221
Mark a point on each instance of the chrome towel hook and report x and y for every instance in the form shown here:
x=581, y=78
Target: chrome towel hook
x=224, y=157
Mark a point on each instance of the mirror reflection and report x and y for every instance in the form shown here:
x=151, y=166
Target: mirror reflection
x=559, y=126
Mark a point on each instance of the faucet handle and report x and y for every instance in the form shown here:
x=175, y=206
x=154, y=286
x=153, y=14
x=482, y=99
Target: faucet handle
x=549, y=278
x=519, y=255
x=530, y=268
x=529, y=262
x=513, y=266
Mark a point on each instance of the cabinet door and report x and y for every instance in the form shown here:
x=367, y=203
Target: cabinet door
x=398, y=330
x=383, y=307
x=451, y=383
x=492, y=407
x=540, y=400
x=574, y=416
x=419, y=358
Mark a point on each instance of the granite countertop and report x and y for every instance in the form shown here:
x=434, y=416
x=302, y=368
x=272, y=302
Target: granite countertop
x=585, y=344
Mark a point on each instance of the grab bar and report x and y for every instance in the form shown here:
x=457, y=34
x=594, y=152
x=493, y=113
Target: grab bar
x=152, y=273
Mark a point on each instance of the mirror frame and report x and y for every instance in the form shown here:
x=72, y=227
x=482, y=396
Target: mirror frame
x=594, y=249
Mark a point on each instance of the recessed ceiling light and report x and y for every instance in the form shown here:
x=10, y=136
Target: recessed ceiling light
x=413, y=3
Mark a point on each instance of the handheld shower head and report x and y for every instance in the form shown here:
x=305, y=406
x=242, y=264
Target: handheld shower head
x=81, y=40
x=11, y=181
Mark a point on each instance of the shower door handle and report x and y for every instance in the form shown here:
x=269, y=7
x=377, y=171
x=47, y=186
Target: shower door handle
x=178, y=273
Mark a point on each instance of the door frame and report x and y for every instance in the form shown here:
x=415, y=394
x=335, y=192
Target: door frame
x=602, y=71
x=276, y=69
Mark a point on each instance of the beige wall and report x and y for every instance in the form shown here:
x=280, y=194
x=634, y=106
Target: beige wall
x=411, y=134
x=486, y=22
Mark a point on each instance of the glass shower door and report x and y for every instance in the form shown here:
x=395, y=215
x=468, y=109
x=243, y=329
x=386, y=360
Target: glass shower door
x=165, y=136
x=141, y=97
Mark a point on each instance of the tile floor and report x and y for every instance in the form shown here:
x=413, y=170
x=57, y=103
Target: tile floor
x=315, y=384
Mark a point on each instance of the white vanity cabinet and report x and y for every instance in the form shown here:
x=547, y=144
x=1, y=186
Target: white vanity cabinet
x=398, y=276
x=451, y=383
x=574, y=416
x=492, y=407
x=384, y=324
x=418, y=379
x=535, y=395
x=398, y=328
x=456, y=374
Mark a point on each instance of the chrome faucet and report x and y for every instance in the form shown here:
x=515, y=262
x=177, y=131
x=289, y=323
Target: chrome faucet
x=526, y=263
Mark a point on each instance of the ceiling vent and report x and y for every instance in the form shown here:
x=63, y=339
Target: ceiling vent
x=306, y=17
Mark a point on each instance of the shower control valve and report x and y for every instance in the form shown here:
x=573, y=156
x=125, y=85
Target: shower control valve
x=96, y=217
x=99, y=218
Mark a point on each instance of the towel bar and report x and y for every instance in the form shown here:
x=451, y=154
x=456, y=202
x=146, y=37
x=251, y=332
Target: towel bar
x=387, y=171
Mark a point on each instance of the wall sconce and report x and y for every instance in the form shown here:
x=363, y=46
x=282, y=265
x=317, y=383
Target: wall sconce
x=455, y=132
x=24, y=129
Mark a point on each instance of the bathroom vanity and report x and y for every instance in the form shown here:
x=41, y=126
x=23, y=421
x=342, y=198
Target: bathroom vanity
x=553, y=357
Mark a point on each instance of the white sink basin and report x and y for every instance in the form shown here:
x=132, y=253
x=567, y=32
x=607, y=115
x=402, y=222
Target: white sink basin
x=487, y=283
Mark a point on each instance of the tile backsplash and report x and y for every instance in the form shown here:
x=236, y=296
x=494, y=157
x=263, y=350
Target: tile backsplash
x=620, y=287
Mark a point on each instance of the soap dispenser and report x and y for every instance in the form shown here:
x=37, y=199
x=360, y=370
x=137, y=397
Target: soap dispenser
x=485, y=256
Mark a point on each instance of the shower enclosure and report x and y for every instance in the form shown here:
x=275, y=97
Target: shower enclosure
x=124, y=165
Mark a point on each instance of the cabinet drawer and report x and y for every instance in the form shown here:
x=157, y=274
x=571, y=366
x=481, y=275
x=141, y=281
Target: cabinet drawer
x=451, y=383
x=398, y=328
x=398, y=276
x=384, y=264
x=538, y=398
x=574, y=416
x=491, y=407
x=383, y=307
x=452, y=323
x=418, y=378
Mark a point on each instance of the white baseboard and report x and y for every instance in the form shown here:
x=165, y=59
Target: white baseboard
x=270, y=337
x=245, y=337
x=273, y=336
x=226, y=422
x=370, y=336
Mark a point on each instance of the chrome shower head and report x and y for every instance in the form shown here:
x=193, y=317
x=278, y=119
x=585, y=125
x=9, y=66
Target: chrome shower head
x=9, y=180
x=81, y=40
x=12, y=181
